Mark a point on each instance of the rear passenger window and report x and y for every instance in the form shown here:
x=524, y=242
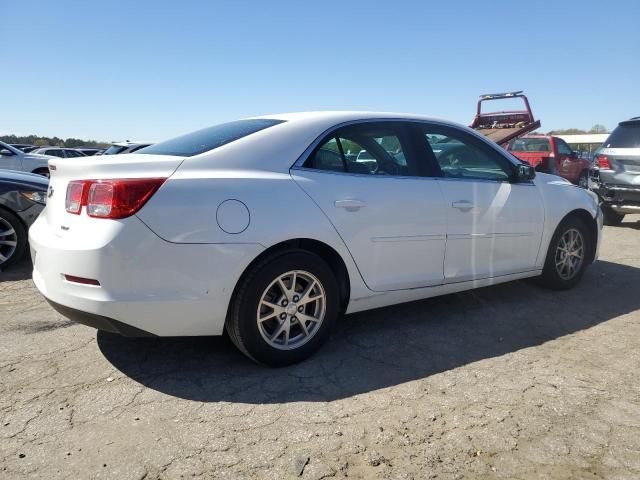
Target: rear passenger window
x=369, y=149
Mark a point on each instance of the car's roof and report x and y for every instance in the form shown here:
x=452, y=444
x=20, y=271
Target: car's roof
x=129, y=144
x=277, y=147
x=335, y=117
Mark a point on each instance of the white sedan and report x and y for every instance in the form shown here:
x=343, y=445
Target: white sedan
x=265, y=228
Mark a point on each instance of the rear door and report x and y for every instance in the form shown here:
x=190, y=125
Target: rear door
x=366, y=180
x=494, y=226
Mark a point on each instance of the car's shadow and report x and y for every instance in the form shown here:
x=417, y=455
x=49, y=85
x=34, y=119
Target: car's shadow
x=19, y=271
x=385, y=347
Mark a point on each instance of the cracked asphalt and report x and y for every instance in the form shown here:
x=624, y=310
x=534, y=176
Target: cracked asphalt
x=511, y=381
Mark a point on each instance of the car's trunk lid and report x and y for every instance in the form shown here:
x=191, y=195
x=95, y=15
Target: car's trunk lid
x=63, y=171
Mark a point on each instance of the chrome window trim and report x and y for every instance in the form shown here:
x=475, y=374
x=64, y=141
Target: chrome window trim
x=298, y=164
x=407, y=177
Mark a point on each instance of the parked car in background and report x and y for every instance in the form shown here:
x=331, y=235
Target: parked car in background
x=264, y=228
x=615, y=176
x=90, y=151
x=13, y=159
x=550, y=154
x=22, y=198
x=124, y=147
x=23, y=146
x=59, y=152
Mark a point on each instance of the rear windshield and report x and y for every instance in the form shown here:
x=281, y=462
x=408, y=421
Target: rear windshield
x=209, y=138
x=114, y=150
x=530, y=145
x=624, y=136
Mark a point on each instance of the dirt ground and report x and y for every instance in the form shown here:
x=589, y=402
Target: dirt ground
x=509, y=382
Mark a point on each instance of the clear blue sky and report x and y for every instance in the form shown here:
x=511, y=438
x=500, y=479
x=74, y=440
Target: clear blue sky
x=149, y=70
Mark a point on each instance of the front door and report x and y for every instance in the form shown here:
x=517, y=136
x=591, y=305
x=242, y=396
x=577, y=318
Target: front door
x=10, y=160
x=569, y=165
x=366, y=181
x=494, y=226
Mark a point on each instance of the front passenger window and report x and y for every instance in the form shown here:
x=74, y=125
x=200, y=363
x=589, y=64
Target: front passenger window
x=461, y=157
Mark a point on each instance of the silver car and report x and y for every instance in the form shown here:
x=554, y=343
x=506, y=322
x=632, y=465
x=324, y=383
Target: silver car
x=59, y=152
x=13, y=159
x=616, y=173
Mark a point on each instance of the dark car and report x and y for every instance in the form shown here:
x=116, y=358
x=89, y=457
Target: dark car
x=22, y=198
x=616, y=174
x=24, y=147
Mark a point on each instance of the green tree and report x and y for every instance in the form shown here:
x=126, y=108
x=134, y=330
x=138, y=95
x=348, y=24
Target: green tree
x=597, y=128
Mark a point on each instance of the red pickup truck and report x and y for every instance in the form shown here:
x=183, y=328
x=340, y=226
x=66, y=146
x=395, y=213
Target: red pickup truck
x=551, y=154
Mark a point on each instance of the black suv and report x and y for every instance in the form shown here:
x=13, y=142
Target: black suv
x=615, y=176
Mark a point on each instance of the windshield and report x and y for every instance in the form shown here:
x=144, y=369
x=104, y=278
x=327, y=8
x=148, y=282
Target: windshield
x=4, y=146
x=209, y=138
x=530, y=145
x=114, y=150
x=624, y=136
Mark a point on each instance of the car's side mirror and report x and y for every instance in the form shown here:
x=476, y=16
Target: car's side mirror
x=6, y=153
x=574, y=155
x=524, y=173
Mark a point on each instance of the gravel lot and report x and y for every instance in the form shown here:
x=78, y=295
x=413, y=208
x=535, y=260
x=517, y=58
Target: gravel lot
x=510, y=382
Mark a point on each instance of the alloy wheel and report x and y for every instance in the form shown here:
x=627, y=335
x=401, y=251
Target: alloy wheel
x=291, y=310
x=569, y=254
x=8, y=241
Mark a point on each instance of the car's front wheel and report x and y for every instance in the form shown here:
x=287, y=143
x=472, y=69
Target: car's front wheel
x=568, y=255
x=284, y=308
x=13, y=238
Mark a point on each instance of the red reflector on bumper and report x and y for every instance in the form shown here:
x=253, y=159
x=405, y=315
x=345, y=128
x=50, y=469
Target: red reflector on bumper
x=83, y=281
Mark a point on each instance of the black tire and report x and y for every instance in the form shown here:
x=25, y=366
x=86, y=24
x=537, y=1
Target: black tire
x=551, y=277
x=42, y=171
x=242, y=324
x=7, y=217
x=612, y=218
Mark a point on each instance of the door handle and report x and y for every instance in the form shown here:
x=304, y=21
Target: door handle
x=350, y=205
x=463, y=205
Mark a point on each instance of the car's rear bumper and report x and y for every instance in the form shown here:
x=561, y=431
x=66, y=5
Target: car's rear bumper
x=146, y=283
x=99, y=322
x=620, y=197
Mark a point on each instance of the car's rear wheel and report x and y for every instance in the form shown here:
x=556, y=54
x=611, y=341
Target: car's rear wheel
x=13, y=238
x=568, y=255
x=284, y=308
x=611, y=217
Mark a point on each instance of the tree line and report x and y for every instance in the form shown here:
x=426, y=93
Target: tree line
x=576, y=131
x=39, y=141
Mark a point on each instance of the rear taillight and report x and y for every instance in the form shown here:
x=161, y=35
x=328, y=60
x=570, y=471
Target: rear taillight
x=603, y=162
x=75, y=196
x=118, y=198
